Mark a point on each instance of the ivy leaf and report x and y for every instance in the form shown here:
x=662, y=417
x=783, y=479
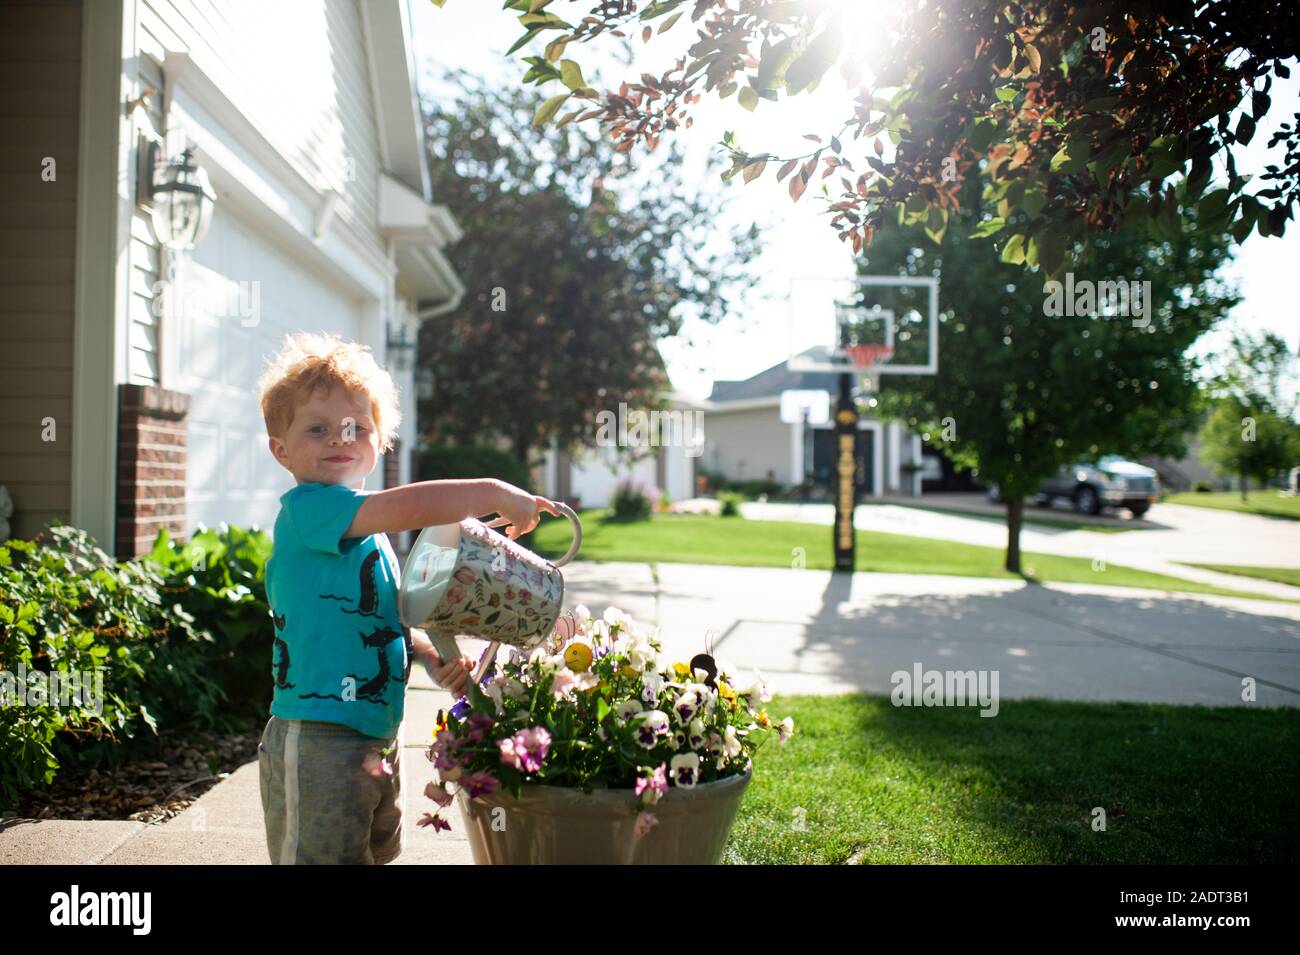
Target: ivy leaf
x=982, y=133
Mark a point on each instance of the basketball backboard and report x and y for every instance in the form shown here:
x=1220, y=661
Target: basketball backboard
x=868, y=325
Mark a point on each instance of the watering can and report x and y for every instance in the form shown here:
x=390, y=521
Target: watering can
x=467, y=578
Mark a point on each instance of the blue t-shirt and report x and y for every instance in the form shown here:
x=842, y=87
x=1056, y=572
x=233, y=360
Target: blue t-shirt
x=341, y=654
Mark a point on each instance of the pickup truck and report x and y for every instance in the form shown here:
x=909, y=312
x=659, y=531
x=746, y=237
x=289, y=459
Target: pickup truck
x=1091, y=486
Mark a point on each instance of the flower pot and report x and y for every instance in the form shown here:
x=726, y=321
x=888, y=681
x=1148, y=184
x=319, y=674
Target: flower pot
x=556, y=825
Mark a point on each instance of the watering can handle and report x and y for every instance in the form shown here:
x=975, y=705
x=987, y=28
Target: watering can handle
x=565, y=511
x=577, y=533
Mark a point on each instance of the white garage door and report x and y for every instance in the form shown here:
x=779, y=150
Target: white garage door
x=240, y=296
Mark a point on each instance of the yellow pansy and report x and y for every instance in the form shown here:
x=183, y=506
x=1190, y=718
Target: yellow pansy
x=682, y=670
x=762, y=720
x=628, y=671
x=577, y=657
x=725, y=691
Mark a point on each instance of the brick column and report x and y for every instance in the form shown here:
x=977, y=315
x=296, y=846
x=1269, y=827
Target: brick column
x=151, y=454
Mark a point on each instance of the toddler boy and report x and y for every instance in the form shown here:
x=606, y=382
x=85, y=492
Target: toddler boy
x=330, y=754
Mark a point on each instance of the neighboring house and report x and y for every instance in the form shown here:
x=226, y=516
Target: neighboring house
x=129, y=370
x=668, y=465
x=745, y=438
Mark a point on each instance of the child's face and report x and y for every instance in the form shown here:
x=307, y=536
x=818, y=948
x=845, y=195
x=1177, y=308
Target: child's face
x=331, y=440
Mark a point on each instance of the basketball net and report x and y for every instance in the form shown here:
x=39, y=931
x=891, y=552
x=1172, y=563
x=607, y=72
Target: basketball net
x=865, y=359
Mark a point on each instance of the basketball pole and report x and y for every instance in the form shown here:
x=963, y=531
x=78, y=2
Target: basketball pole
x=844, y=538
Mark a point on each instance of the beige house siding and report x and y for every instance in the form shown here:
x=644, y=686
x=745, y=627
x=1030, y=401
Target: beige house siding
x=40, y=62
x=745, y=445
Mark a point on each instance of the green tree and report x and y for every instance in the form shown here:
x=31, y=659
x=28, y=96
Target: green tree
x=1019, y=392
x=1079, y=115
x=575, y=264
x=1249, y=441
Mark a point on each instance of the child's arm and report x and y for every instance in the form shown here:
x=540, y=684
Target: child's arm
x=428, y=503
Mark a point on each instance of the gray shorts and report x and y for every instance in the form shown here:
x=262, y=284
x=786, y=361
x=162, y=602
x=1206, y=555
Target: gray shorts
x=320, y=804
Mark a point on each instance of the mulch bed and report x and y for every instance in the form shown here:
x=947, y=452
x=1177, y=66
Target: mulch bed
x=152, y=788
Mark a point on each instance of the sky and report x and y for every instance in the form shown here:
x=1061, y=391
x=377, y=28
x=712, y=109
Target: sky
x=802, y=254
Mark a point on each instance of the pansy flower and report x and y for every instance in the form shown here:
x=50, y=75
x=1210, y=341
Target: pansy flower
x=480, y=784
x=684, y=768
x=650, y=726
x=432, y=819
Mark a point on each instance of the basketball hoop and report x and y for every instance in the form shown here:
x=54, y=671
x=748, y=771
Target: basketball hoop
x=866, y=361
x=865, y=357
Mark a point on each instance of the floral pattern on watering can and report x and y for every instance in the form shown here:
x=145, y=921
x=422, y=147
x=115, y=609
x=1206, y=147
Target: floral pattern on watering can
x=501, y=587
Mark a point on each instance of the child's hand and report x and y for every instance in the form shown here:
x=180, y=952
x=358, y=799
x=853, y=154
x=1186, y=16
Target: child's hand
x=450, y=676
x=521, y=509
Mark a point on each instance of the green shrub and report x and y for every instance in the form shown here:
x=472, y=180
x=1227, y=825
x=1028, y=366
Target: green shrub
x=632, y=501
x=219, y=578
x=445, y=462
x=71, y=608
x=1203, y=487
x=754, y=488
x=731, y=502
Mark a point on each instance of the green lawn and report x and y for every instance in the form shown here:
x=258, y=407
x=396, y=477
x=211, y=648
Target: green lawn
x=706, y=539
x=1282, y=575
x=1065, y=523
x=1179, y=784
x=1264, y=503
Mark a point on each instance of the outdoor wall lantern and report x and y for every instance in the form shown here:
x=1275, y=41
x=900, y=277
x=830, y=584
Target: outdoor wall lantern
x=182, y=199
x=401, y=349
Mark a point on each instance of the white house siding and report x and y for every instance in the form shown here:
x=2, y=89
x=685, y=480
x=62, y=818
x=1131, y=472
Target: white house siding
x=40, y=57
x=746, y=444
x=231, y=475
x=144, y=365
x=298, y=70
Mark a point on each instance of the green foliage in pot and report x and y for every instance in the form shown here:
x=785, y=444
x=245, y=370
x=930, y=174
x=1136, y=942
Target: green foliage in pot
x=594, y=706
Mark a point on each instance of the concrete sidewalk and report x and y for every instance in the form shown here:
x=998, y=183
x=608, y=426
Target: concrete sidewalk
x=808, y=632
x=224, y=826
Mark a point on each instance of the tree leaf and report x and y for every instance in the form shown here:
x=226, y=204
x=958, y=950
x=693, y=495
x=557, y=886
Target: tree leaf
x=748, y=98
x=571, y=75
x=988, y=227
x=1014, y=251
x=1031, y=54
x=546, y=112
x=754, y=169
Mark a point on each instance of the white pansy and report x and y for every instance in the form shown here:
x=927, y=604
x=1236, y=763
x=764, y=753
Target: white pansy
x=696, y=738
x=684, y=769
x=640, y=654
x=686, y=706
x=715, y=743
x=582, y=615
x=652, y=686
x=786, y=728
x=627, y=709
x=758, y=690
x=493, y=690
x=617, y=618
x=731, y=743
x=651, y=725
